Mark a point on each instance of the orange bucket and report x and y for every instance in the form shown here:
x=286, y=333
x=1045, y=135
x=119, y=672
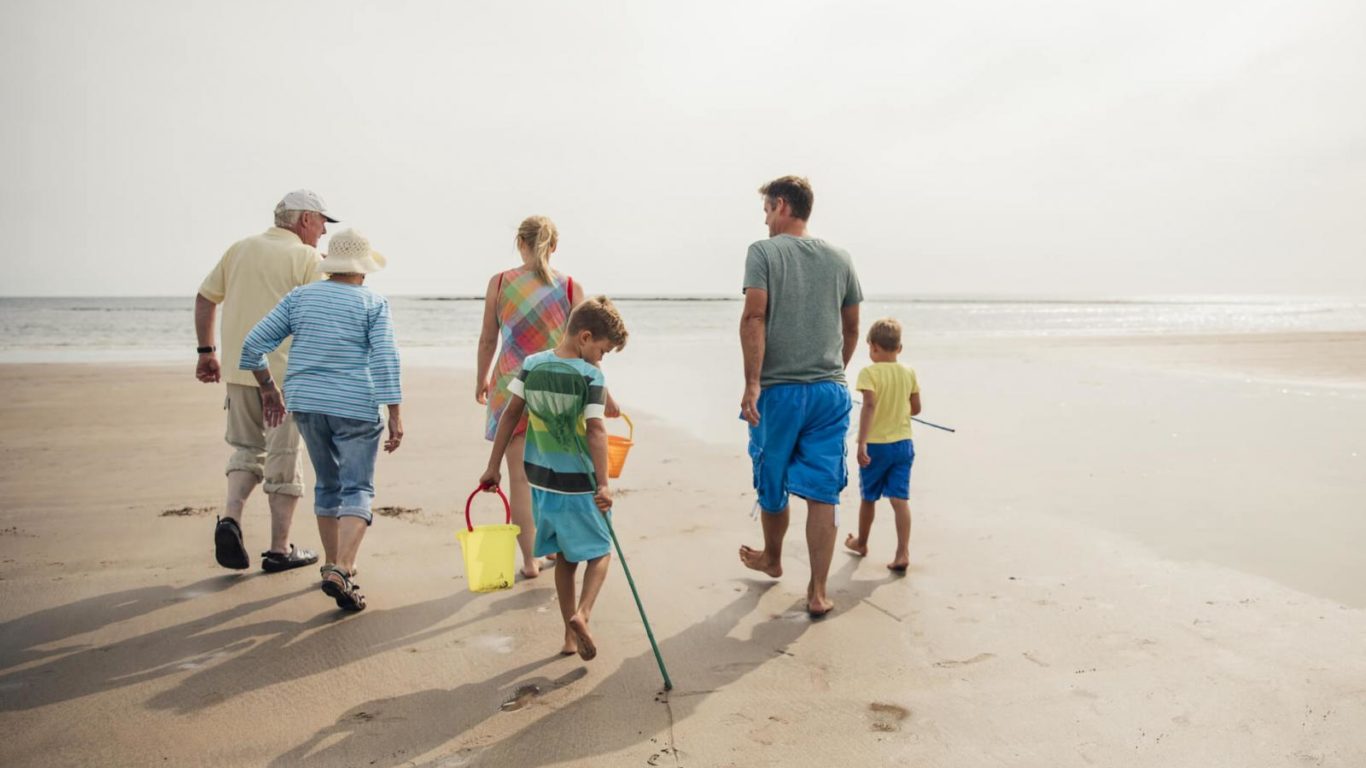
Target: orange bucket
x=617, y=448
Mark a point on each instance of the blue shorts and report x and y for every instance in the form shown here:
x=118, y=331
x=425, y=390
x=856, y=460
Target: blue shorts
x=889, y=473
x=569, y=524
x=799, y=445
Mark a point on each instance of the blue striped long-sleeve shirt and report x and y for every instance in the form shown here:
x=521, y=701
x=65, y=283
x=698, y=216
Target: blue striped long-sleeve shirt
x=343, y=361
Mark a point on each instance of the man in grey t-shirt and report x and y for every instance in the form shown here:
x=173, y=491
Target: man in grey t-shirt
x=798, y=331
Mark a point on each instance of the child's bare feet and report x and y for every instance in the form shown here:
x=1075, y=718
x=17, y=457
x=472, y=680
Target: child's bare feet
x=571, y=645
x=759, y=560
x=531, y=569
x=587, y=650
x=856, y=545
x=899, y=563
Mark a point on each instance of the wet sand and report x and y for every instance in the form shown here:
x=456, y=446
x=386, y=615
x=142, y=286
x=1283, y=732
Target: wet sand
x=1130, y=554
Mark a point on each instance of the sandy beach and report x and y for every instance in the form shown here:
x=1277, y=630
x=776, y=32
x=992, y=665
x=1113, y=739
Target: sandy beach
x=1133, y=552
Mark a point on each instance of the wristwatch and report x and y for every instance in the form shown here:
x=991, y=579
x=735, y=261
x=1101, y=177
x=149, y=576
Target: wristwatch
x=206, y=350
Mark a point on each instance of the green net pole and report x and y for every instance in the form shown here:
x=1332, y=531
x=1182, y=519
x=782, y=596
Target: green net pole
x=668, y=684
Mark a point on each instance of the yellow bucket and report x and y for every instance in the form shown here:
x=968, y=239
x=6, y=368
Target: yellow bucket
x=490, y=551
x=617, y=448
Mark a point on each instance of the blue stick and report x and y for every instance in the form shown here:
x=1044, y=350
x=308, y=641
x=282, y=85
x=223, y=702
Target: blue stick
x=932, y=424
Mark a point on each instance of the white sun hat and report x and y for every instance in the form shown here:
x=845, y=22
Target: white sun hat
x=349, y=252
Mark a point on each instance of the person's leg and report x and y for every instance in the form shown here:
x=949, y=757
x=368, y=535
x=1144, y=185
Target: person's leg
x=820, y=546
x=859, y=544
x=283, y=480
x=564, y=590
x=246, y=434
x=901, y=508
x=350, y=533
x=322, y=454
x=282, y=507
x=328, y=532
x=357, y=446
x=872, y=480
x=594, y=575
x=519, y=498
x=240, y=486
x=899, y=491
x=769, y=560
x=818, y=473
x=770, y=451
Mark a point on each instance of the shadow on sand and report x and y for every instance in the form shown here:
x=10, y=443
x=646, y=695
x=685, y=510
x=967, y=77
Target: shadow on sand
x=703, y=658
x=286, y=656
x=226, y=662
x=21, y=638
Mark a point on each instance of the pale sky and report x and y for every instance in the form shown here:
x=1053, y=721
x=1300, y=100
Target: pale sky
x=1075, y=147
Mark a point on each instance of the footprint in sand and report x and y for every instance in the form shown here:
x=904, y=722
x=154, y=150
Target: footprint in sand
x=950, y=663
x=521, y=698
x=186, y=511
x=887, y=718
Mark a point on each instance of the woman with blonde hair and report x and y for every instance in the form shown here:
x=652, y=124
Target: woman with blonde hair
x=527, y=308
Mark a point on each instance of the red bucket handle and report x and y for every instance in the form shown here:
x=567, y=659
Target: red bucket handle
x=506, y=506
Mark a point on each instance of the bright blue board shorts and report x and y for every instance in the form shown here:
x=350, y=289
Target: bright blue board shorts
x=889, y=472
x=799, y=446
x=569, y=524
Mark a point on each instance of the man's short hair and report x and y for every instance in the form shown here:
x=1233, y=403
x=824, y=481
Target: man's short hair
x=796, y=190
x=286, y=219
x=600, y=317
x=886, y=334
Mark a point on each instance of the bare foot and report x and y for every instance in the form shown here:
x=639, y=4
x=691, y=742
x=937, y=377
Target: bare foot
x=571, y=645
x=531, y=570
x=855, y=544
x=758, y=560
x=899, y=564
x=587, y=650
x=818, y=608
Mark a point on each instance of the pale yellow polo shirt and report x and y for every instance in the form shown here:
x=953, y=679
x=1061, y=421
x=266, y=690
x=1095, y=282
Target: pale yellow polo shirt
x=893, y=384
x=248, y=282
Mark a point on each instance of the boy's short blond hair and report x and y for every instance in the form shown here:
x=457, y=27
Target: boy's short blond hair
x=886, y=334
x=599, y=316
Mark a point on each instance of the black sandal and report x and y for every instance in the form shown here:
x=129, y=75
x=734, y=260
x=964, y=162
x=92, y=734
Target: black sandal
x=274, y=562
x=228, y=547
x=346, y=592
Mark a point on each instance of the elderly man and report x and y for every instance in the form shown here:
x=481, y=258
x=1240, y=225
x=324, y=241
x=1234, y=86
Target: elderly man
x=249, y=281
x=798, y=331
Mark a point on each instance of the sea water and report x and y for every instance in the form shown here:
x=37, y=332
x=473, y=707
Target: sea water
x=682, y=362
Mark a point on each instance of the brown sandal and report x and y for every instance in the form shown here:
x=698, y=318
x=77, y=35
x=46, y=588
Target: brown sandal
x=345, y=592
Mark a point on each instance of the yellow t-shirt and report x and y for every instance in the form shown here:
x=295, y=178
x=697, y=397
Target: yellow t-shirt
x=892, y=384
x=249, y=281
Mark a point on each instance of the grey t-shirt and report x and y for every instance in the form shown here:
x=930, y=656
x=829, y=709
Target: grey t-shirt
x=808, y=282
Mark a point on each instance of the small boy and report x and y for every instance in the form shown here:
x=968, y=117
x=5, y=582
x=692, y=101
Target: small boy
x=569, y=493
x=891, y=396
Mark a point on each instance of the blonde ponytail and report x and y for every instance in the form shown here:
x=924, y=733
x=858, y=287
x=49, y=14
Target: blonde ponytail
x=539, y=235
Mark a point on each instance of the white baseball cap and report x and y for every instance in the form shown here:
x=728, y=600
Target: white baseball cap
x=304, y=200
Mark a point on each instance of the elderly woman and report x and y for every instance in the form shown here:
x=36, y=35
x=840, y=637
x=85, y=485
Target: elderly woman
x=343, y=366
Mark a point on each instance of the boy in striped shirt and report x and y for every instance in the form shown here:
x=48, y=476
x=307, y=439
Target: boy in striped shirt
x=569, y=493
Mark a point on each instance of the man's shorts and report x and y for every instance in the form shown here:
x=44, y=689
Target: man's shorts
x=570, y=524
x=889, y=473
x=270, y=453
x=799, y=446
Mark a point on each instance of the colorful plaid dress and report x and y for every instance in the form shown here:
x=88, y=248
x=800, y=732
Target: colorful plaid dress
x=531, y=319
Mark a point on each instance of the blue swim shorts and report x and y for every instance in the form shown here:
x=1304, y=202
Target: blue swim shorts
x=889, y=473
x=799, y=446
x=569, y=524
